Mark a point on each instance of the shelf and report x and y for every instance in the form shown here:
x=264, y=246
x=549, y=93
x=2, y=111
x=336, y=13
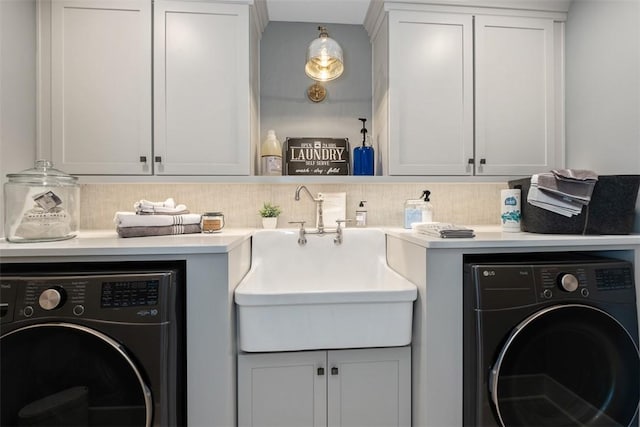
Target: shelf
x=343, y=179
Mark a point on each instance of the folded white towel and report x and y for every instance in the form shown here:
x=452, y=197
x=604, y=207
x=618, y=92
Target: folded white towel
x=167, y=207
x=131, y=219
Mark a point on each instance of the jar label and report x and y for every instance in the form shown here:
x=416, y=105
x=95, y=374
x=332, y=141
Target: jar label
x=47, y=200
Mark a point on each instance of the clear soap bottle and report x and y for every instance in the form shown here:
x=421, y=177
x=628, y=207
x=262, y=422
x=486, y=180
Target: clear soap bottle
x=418, y=210
x=271, y=155
x=361, y=214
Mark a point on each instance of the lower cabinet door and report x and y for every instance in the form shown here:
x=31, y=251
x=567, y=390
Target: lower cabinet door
x=346, y=388
x=369, y=387
x=282, y=389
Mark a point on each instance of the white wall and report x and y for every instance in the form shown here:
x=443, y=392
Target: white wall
x=17, y=88
x=603, y=87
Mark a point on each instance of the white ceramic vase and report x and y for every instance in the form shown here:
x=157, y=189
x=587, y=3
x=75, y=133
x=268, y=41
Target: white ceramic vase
x=270, y=223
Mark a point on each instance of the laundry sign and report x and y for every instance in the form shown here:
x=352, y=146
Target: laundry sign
x=316, y=156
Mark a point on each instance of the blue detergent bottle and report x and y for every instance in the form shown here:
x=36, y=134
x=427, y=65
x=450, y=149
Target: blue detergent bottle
x=363, y=156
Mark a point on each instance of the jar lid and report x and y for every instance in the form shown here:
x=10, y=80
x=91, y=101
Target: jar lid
x=43, y=174
x=213, y=214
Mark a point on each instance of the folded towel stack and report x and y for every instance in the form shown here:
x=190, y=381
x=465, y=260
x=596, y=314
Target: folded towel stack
x=443, y=230
x=168, y=207
x=563, y=191
x=156, y=219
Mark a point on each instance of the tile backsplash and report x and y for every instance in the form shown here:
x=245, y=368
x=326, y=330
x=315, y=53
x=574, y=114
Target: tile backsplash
x=459, y=203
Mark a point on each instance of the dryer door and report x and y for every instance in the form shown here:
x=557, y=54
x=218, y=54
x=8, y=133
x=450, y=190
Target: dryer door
x=567, y=365
x=71, y=375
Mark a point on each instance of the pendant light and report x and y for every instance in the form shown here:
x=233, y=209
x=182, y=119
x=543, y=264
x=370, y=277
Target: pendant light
x=324, y=58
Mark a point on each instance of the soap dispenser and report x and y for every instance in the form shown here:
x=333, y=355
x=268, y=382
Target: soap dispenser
x=361, y=214
x=427, y=207
x=363, y=156
x=418, y=210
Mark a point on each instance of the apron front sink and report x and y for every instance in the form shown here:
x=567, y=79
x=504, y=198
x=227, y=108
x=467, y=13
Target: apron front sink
x=322, y=295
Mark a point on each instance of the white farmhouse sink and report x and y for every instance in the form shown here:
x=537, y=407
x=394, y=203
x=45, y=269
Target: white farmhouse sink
x=322, y=295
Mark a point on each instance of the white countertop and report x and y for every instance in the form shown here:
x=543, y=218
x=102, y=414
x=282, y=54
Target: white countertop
x=107, y=242
x=493, y=237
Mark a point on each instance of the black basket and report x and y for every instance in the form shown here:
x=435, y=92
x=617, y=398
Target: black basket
x=610, y=211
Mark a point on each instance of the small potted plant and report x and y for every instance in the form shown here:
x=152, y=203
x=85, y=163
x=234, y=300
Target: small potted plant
x=269, y=213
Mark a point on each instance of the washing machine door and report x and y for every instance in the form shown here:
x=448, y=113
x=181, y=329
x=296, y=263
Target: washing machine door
x=567, y=365
x=64, y=374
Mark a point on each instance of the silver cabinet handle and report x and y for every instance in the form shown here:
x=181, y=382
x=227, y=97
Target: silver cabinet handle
x=143, y=159
x=334, y=371
x=483, y=161
x=158, y=159
x=320, y=372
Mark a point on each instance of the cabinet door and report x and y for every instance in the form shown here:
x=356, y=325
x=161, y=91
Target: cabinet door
x=282, y=389
x=201, y=88
x=369, y=387
x=430, y=94
x=514, y=95
x=101, y=86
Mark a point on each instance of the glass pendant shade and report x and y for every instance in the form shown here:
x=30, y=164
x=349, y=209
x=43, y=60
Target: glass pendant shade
x=324, y=58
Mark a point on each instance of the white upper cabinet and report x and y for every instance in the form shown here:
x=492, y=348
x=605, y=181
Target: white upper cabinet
x=201, y=88
x=475, y=92
x=430, y=93
x=100, y=86
x=515, y=109
x=95, y=117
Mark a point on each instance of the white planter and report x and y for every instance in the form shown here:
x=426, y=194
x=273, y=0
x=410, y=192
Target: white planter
x=270, y=222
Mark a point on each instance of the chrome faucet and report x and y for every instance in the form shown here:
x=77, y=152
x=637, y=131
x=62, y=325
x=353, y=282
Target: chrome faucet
x=318, y=202
x=302, y=233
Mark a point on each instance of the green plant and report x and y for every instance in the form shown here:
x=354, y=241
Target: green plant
x=269, y=210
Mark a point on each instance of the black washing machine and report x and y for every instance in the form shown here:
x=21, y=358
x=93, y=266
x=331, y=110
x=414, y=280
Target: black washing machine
x=92, y=344
x=550, y=340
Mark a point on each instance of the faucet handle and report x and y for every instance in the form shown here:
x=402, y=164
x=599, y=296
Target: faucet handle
x=298, y=222
x=343, y=221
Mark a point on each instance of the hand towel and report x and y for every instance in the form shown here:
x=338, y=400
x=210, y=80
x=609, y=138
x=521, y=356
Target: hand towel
x=168, y=207
x=158, y=231
x=563, y=191
x=575, y=174
x=131, y=219
x=579, y=191
x=443, y=230
x=538, y=198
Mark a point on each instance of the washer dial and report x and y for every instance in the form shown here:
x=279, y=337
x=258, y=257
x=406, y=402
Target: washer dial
x=568, y=282
x=51, y=298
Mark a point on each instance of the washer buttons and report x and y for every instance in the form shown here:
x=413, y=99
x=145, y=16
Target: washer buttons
x=27, y=311
x=584, y=292
x=78, y=310
x=547, y=293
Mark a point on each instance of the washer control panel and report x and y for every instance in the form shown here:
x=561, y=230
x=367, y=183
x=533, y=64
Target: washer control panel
x=513, y=284
x=561, y=280
x=130, y=297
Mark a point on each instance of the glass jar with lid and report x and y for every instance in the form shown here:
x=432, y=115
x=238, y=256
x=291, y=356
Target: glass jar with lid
x=212, y=222
x=41, y=204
